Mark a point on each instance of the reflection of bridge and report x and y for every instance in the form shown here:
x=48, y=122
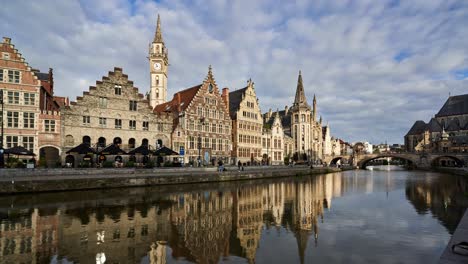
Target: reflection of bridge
x=418, y=160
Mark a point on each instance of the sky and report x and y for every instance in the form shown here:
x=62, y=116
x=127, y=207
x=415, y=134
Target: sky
x=375, y=66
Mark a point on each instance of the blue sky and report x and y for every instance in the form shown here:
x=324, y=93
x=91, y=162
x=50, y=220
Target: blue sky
x=375, y=66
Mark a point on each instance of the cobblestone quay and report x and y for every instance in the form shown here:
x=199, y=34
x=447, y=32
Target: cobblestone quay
x=44, y=180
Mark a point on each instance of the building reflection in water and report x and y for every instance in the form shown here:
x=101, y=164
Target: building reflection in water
x=200, y=227
x=445, y=197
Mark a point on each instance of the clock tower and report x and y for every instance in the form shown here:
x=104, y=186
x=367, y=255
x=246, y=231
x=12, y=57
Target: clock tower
x=158, y=61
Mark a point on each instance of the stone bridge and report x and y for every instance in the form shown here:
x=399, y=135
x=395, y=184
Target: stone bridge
x=418, y=160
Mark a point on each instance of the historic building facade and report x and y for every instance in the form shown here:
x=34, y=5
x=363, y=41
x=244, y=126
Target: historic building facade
x=301, y=124
x=447, y=131
x=31, y=111
x=201, y=123
x=274, y=140
x=20, y=90
x=113, y=112
x=159, y=62
x=247, y=124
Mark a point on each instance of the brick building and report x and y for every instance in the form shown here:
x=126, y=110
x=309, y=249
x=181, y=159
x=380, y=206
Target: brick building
x=201, y=122
x=31, y=111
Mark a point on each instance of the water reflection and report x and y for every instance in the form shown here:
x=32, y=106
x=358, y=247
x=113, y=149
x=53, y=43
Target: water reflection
x=444, y=197
x=152, y=225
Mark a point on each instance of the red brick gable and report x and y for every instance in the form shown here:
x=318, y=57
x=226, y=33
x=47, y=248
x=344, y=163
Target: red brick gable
x=181, y=98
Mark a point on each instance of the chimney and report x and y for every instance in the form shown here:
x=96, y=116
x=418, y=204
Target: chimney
x=286, y=109
x=51, y=80
x=6, y=40
x=225, y=97
x=179, y=108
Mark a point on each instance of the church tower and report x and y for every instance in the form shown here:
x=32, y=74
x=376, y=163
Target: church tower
x=301, y=123
x=159, y=62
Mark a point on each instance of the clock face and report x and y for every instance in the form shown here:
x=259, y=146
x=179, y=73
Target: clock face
x=157, y=66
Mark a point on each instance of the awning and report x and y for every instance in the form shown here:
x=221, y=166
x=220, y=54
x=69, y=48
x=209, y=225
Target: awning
x=19, y=150
x=143, y=150
x=165, y=151
x=83, y=148
x=112, y=149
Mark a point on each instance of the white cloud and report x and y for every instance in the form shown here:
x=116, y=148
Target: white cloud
x=346, y=50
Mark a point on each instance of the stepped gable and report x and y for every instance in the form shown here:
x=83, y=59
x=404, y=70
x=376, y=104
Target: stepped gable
x=455, y=105
x=235, y=98
x=117, y=72
x=417, y=128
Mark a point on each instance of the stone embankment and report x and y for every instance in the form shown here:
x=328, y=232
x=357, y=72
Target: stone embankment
x=44, y=180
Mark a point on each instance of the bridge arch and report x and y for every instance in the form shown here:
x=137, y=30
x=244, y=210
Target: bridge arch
x=335, y=160
x=365, y=160
x=446, y=161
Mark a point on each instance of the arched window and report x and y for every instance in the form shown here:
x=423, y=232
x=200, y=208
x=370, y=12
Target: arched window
x=117, y=141
x=159, y=143
x=87, y=140
x=157, y=80
x=144, y=142
x=131, y=143
x=102, y=142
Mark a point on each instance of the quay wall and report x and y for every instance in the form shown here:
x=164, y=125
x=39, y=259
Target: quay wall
x=29, y=181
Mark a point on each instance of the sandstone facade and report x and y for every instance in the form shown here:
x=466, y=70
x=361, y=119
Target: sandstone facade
x=247, y=125
x=113, y=112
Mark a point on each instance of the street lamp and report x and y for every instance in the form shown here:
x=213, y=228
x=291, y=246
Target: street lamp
x=2, y=155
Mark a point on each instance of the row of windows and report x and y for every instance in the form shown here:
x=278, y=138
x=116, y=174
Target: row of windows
x=250, y=104
x=11, y=76
x=132, y=124
x=133, y=105
x=26, y=141
x=27, y=120
x=102, y=141
x=249, y=115
x=211, y=101
x=248, y=152
x=210, y=113
x=204, y=142
x=277, y=156
x=16, y=98
x=304, y=118
x=266, y=143
x=251, y=127
x=249, y=139
x=205, y=127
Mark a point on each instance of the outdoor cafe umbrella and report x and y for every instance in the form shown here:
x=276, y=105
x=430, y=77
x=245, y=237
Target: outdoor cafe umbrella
x=143, y=150
x=20, y=151
x=112, y=149
x=165, y=151
x=83, y=148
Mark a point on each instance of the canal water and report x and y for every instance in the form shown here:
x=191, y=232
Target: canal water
x=378, y=216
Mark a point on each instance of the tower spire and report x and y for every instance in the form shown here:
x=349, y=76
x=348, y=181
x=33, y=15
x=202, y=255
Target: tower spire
x=300, y=99
x=314, y=108
x=158, y=35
